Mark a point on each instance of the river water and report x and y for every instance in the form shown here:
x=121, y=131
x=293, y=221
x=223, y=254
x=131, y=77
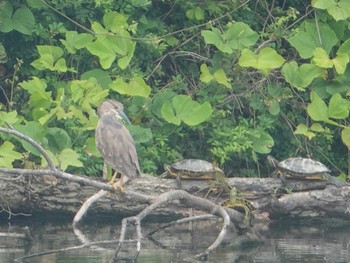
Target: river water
x=284, y=241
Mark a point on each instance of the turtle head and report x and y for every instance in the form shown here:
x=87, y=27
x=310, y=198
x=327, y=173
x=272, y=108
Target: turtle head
x=272, y=161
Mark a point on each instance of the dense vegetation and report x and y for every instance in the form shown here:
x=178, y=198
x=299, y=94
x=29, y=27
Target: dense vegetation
x=227, y=81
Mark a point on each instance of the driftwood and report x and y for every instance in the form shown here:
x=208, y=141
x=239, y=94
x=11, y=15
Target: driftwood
x=31, y=192
x=26, y=193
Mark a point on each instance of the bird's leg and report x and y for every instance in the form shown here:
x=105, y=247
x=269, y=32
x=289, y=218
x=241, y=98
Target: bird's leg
x=112, y=181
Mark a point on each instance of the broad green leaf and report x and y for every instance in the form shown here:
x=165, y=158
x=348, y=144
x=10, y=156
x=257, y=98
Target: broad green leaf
x=169, y=114
x=159, y=99
x=214, y=37
x=35, y=3
x=302, y=129
x=9, y=117
x=340, y=62
x=263, y=143
x=317, y=109
x=322, y=4
x=8, y=155
x=136, y=87
x=50, y=58
x=338, y=107
x=220, y=77
x=266, y=59
x=191, y=112
x=317, y=127
x=345, y=136
x=339, y=10
x=100, y=75
x=36, y=132
x=300, y=77
x=6, y=11
x=103, y=48
x=69, y=157
x=90, y=147
x=321, y=58
x=309, y=36
x=23, y=20
x=36, y=88
x=76, y=41
x=98, y=28
x=239, y=36
x=199, y=13
x=205, y=76
x=140, y=134
x=274, y=107
x=115, y=21
x=58, y=139
x=345, y=47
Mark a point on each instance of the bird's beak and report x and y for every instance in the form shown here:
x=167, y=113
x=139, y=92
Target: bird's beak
x=123, y=115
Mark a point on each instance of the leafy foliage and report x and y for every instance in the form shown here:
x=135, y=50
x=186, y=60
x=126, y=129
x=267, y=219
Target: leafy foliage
x=214, y=80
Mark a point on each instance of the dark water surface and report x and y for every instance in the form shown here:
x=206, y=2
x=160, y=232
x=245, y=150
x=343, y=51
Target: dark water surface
x=282, y=242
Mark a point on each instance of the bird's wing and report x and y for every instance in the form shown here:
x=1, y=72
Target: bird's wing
x=116, y=145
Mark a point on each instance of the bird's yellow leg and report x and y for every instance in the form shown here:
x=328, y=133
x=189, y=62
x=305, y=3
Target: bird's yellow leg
x=121, y=182
x=112, y=181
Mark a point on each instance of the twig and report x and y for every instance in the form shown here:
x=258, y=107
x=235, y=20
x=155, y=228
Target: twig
x=22, y=136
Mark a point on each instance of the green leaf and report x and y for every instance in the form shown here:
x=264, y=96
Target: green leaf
x=100, y=75
x=321, y=58
x=183, y=108
x=6, y=10
x=214, y=37
x=302, y=129
x=340, y=62
x=274, y=107
x=205, y=76
x=39, y=97
x=115, y=21
x=136, y=87
x=36, y=132
x=159, y=99
x=239, y=36
x=103, y=48
x=69, y=157
x=263, y=143
x=169, y=114
x=266, y=59
x=317, y=109
x=339, y=10
x=310, y=36
x=9, y=117
x=199, y=13
x=317, y=127
x=345, y=136
x=300, y=77
x=50, y=58
x=58, y=139
x=90, y=147
x=23, y=20
x=140, y=134
x=338, y=107
x=8, y=155
x=76, y=41
x=220, y=77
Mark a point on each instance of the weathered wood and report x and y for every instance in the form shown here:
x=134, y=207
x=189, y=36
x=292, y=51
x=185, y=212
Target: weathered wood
x=31, y=194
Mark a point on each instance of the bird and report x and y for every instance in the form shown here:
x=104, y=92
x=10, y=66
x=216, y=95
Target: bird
x=115, y=143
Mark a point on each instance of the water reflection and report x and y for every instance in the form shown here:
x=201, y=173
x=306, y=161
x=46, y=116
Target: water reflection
x=283, y=242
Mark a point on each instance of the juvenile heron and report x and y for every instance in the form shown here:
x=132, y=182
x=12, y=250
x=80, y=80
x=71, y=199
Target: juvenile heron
x=115, y=142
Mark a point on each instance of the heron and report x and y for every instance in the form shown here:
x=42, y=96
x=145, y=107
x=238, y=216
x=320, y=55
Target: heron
x=115, y=143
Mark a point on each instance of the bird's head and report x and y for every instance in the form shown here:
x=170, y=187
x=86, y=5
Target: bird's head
x=112, y=106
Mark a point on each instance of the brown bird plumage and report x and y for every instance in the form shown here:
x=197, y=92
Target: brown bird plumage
x=114, y=140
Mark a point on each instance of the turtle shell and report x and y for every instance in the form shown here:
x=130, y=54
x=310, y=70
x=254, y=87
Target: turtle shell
x=302, y=166
x=193, y=169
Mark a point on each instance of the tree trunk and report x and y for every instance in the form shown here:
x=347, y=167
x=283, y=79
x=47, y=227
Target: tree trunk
x=29, y=194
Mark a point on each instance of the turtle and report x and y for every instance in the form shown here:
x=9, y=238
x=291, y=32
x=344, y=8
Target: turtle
x=304, y=169
x=193, y=169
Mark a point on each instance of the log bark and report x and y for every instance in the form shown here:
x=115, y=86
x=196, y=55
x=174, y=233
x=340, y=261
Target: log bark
x=34, y=194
